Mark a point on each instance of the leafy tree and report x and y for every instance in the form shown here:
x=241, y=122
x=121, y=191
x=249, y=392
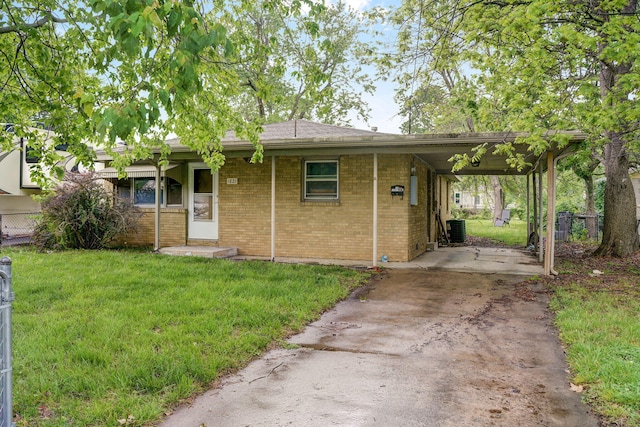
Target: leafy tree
x=574, y=67
x=585, y=165
x=542, y=65
x=431, y=108
x=428, y=69
x=300, y=66
x=100, y=72
x=80, y=214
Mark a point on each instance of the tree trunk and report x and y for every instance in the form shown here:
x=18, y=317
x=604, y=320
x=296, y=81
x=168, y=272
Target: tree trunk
x=619, y=234
x=620, y=237
x=261, y=111
x=497, y=197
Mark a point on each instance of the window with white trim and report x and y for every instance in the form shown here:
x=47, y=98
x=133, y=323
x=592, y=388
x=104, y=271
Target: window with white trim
x=321, y=179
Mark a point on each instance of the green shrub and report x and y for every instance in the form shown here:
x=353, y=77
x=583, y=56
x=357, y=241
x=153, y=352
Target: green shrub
x=80, y=214
x=468, y=213
x=520, y=213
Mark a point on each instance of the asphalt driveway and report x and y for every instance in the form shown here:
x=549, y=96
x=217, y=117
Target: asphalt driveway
x=415, y=348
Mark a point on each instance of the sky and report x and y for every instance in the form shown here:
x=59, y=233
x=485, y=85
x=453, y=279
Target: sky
x=384, y=110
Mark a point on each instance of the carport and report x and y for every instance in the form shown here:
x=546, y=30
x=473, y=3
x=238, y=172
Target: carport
x=437, y=150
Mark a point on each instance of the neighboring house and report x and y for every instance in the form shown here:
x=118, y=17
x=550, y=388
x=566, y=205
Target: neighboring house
x=321, y=192
x=17, y=188
x=471, y=201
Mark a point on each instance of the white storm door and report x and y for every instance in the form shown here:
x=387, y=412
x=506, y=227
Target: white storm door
x=203, y=202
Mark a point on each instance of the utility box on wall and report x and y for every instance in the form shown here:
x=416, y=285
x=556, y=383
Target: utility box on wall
x=413, y=190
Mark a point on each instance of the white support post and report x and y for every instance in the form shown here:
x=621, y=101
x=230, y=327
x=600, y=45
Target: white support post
x=534, y=188
x=156, y=240
x=375, y=210
x=273, y=208
x=529, y=225
x=551, y=197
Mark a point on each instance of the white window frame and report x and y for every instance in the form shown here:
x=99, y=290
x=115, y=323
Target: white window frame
x=311, y=197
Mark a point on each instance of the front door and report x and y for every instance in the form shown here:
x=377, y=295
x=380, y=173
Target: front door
x=203, y=202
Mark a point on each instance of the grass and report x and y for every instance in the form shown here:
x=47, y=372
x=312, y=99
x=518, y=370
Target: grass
x=514, y=234
x=598, y=319
x=107, y=338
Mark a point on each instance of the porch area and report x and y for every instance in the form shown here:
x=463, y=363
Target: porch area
x=201, y=251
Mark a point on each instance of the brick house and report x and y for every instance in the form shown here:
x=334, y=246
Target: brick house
x=321, y=192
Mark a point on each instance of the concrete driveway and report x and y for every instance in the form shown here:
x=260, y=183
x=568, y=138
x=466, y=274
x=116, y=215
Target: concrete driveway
x=476, y=260
x=414, y=348
x=455, y=258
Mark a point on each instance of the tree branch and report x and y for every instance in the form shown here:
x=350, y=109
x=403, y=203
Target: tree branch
x=37, y=24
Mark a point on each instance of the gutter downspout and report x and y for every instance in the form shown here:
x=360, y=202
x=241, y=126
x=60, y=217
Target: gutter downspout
x=273, y=208
x=375, y=210
x=156, y=242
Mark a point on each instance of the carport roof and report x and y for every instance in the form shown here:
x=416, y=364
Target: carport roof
x=304, y=137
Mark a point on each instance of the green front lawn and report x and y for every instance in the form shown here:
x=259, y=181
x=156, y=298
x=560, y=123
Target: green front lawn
x=104, y=338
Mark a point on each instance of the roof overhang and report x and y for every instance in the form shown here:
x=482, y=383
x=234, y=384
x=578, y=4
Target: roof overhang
x=134, y=171
x=435, y=149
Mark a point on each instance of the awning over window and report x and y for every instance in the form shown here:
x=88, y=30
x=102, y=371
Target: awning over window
x=135, y=171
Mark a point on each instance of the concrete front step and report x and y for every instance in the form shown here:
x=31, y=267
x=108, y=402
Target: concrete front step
x=202, y=251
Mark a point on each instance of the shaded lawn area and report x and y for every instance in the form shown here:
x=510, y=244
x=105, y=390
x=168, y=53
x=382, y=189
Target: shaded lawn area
x=107, y=338
x=514, y=234
x=598, y=318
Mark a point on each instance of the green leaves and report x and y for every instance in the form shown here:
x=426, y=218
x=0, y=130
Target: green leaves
x=294, y=64
x=534, y=64
x=113, y=70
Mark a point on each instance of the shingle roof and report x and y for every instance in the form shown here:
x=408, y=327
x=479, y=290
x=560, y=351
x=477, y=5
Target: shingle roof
x=303, y=136
x=303, y=129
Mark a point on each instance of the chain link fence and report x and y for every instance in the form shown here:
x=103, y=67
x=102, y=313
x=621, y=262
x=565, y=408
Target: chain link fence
x=6, y=385
x=17, y=228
